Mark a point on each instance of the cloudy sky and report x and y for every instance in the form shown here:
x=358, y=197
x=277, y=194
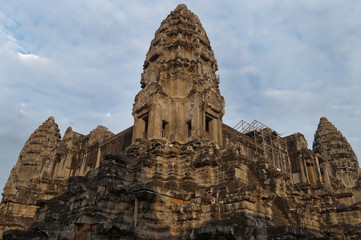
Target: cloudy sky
x=284, y=63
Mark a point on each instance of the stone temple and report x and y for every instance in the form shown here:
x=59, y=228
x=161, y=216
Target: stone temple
x=179, y=172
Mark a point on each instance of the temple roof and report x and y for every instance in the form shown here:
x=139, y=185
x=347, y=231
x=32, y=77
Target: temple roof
x=330, y=143
x=180, y=46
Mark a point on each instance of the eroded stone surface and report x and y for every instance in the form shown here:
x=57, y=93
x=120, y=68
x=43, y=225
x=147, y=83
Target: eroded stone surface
x=180, y=173
x=337, y=152
x=27, y=181
x=197, y=190
x=180, y=100
x=44, y=165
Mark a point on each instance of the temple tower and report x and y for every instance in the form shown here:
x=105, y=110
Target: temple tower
x=180, y=99
x=337, y=153
x=30, y=179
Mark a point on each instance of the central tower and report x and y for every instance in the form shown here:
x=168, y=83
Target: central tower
x=180, y=99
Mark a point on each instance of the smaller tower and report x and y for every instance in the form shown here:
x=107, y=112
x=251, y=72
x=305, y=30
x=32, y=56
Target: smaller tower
x=30, y=179
x=334, y=148
x=180, y=100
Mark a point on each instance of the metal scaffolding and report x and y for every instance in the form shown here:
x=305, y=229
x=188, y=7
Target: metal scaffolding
x=268, y=143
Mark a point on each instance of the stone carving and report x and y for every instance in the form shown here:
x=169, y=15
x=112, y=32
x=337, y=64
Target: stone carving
x=180, y=173
x=28, y=179
x=44, y=165
x=180, y=100
x=337, y=153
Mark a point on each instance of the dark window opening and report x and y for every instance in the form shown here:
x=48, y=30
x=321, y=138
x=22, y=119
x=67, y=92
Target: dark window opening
x=189, y=125
x=208, y=122
x=164, y=128
x=145, y=119
x=154, y=57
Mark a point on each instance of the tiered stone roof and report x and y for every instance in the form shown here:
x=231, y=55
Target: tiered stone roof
x=180, y=49
x=333, y=147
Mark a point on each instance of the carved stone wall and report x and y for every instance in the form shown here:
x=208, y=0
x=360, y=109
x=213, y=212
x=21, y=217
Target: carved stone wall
x=160, y=190
x=46, y=162
x=171, y=190
x=28, y=179
x=180, y=173
x=305, y=166
x=337, y=153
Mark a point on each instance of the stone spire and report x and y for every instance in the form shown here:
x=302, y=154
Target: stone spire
x=180, y=99
x=180, y=50
x=36, y=156
x=29, y=180
x=334, y=148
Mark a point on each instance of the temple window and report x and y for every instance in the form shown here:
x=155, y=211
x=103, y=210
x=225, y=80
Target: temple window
x=165, y=125
x=208, y=123
x=145, y=119
x=189, y=128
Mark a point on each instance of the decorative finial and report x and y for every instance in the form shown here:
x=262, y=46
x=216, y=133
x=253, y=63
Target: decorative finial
x=181, y=7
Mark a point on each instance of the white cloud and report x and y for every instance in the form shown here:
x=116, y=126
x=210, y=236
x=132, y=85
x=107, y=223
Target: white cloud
x=31, y=59
x=278, y=94
x=247, y=69
x=22, y=108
